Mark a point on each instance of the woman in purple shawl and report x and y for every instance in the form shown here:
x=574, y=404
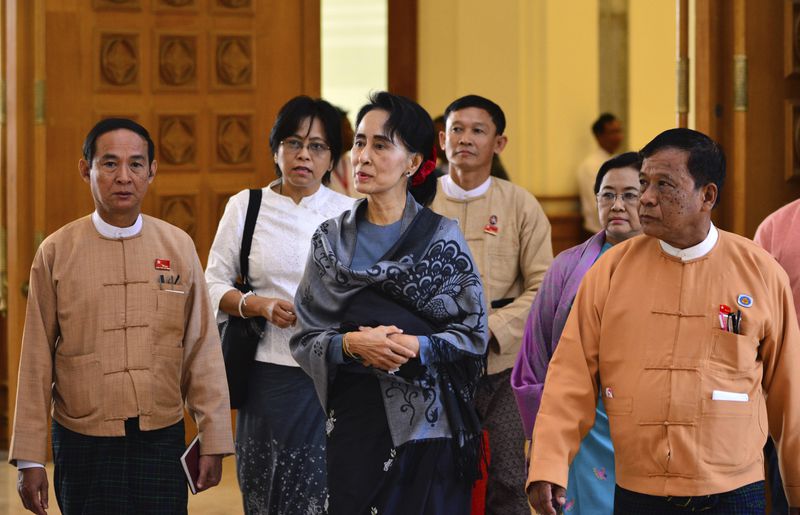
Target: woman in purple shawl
x=591, y=476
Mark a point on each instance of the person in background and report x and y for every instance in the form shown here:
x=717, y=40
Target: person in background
x=591, y=474
x=442, y=164
x=280, y=435
x=509, y=236
x=777, y=234
x=119, y=336
x=690, y=335
x=608, y=135
x=341, y=178
x=393, y=330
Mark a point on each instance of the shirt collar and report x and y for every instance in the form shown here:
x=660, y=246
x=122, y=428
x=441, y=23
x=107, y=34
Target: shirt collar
x=311, y=200
x=697, y=251
x=112, y=231
x=453, y=190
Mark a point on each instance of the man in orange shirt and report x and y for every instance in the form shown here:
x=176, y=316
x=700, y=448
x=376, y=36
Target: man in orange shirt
x=690, y=335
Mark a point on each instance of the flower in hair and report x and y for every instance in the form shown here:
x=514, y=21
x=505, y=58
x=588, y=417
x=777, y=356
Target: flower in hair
x=425, y=170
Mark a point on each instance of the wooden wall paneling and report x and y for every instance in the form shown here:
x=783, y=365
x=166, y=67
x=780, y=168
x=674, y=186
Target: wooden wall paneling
x=176, y=68
x=792, y=136
x=736, y=180
x=118, y=61
x=117, y=5
x=18, y=47
x=206, y=78
x=682, y=106
x=769, y=92
x=312, y=39
x=4, y=390
x=175, y=6
x=402, y=39
x=791, y=38
x=176, y=137
x=714, y=87
x=709, y=39
x=233, y=141
x=566, y=230
x=233, y=7
x=69, y=116
x=234, y=61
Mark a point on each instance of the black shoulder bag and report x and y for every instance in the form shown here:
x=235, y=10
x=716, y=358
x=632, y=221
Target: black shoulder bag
x=240, y=336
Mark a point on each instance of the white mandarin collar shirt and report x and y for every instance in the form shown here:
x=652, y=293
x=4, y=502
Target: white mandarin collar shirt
x=112, y=231
x=453, y=190
x=697, y=251
x=280, y=248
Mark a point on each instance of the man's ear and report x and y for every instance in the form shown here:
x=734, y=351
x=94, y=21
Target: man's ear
x=85, y=170
x=710, y=194
x=152, y=173
x=500, y=143
x=442, y=140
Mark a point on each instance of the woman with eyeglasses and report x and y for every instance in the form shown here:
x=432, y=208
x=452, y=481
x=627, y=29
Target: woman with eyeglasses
x=280, y=431
x=393, y=330
x=591, y=475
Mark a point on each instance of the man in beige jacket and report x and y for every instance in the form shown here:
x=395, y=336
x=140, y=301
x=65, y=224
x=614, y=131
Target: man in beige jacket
x=119, y=334
x=509, y=237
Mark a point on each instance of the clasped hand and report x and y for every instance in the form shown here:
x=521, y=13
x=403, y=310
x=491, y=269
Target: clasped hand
x=383, y=347
x=277, y=311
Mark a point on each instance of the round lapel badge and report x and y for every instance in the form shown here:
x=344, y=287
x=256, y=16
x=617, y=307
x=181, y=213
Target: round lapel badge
x=744, y=300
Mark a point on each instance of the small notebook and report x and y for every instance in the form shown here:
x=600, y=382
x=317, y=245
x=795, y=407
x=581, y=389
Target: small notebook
x=191, y=463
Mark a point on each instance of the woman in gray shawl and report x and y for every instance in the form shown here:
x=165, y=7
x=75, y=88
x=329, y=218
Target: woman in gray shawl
x=392, y=330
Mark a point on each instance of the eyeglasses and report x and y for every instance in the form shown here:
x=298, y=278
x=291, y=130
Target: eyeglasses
x=608, y=198
x=295, y=145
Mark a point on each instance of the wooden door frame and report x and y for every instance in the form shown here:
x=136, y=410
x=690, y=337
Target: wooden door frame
x=402, y=48
x=719, y=34
x=20, y=142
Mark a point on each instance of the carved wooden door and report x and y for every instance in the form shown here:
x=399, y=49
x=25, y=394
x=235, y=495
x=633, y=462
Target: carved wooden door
x=205, y=77
x=748, y=98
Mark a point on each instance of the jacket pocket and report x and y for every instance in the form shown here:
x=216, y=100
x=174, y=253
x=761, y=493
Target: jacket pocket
x=733, y=353
x=503, y=271
x=728, y=437
x=618, y=405
x=170, y=317
x=166, y=369
x=77, y=383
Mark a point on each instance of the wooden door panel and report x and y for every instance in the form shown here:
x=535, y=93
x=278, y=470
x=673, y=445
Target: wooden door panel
x=760, y=136
x=205, y=77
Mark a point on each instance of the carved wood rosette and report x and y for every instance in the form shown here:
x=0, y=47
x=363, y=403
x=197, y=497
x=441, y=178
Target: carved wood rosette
x=176, y=4
x=233, y=6
x=234, y=141
x=233, y=61
x=177, y=61
x=177, y=140
x=180, y=211
x=219, y=201
x=119, y=60
x=792, y=140
x=120, y=5
x=791, y=47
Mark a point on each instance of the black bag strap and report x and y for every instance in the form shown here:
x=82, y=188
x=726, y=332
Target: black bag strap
x=247, y=236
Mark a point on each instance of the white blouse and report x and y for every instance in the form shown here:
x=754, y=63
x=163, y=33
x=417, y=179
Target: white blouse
x=281, y=243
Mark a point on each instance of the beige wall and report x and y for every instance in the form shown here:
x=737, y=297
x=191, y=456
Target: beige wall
x=652, y=56
x=539, y=60
x=353, y=36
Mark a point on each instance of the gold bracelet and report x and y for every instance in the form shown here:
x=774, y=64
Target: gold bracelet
x=346, y=348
